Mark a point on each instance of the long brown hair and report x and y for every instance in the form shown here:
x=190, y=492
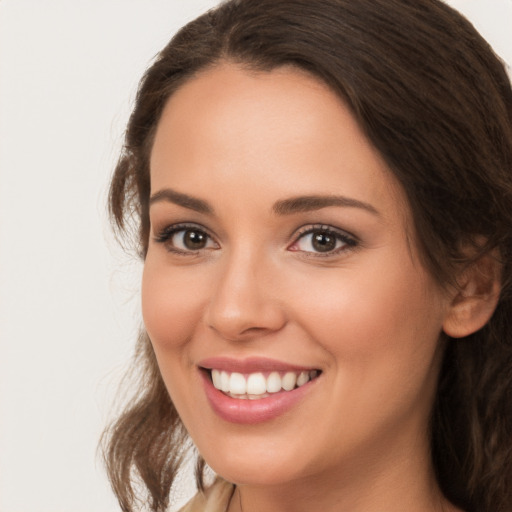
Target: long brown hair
x=436, y=102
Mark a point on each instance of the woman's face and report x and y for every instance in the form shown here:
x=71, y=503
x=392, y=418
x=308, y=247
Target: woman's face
x=282, y=257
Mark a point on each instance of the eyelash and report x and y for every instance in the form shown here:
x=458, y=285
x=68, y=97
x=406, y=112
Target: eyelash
x=349, y=241
x=165, y=236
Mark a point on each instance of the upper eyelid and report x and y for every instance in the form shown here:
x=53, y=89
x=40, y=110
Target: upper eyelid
x=165, y=233
x=183, y=226
x=308, y=228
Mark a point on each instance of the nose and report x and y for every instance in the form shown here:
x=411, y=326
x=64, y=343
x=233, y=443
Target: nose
x=245, y=302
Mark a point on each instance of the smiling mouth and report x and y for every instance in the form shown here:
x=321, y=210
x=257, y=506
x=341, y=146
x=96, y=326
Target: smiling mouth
x=255, y=386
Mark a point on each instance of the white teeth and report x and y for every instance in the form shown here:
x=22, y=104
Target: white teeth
x=224, y=382
x=273, y=383
x=216, y=378
x=237, y=384
x=302, y=378
x=289, y=381
x=241, y=397
x=255, y=386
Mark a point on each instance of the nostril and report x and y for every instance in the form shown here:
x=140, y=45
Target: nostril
x=233, y=332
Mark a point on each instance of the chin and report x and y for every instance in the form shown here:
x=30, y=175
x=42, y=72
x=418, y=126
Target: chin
x=265, y=467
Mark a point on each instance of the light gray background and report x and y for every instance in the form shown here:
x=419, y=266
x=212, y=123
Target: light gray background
x=68, y=297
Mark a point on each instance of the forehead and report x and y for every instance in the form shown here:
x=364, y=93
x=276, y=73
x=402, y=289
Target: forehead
x=283, y=132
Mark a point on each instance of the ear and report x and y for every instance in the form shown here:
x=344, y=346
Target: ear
x=476, y=297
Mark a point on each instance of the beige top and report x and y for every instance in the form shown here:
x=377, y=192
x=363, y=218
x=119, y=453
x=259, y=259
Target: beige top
x=215, y=499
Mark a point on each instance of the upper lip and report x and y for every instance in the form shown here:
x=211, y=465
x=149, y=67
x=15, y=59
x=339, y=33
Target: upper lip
x=251, y=365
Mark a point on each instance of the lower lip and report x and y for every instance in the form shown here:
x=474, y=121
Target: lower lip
x=236, y=410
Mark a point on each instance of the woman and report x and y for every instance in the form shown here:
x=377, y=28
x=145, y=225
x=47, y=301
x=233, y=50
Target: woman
x=323, y=197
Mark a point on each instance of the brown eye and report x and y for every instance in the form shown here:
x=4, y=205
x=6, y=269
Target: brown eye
x=323, y=241
x=193, y=239
x=184, y=239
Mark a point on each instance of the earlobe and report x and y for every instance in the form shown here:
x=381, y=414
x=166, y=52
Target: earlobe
x=476, y=298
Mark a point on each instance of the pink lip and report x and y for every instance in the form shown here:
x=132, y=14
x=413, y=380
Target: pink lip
x=245, y=411
x=251, y=365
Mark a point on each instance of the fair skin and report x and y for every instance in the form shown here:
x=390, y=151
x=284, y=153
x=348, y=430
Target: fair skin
x=233, y=273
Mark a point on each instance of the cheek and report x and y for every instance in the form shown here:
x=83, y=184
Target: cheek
x=171, y=309
x=381, y=332
x=378, y=314
x=170, y=306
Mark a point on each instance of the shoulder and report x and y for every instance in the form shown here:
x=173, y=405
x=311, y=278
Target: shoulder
x=215, y=499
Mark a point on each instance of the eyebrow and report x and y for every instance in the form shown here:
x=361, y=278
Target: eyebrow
x=311, y=203
x=283, y=207
x=180, y=199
